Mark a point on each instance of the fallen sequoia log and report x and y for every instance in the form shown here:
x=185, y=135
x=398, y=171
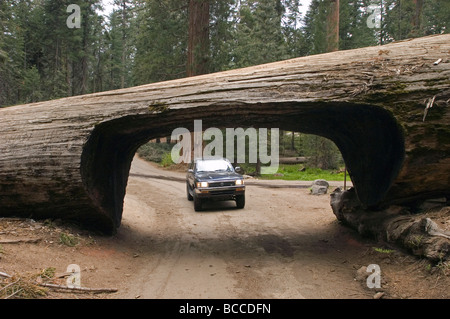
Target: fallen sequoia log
x=385, y=107
x=418, y=233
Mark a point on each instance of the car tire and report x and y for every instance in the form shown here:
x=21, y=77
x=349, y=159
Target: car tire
x=240, y=201
x=189, y=196
x=197, y=204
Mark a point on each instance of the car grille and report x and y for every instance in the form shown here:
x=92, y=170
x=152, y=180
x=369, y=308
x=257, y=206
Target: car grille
x=222, y=184
x=216, y=193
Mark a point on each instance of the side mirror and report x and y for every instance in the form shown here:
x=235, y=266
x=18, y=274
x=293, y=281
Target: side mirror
x=238, y=169
x=190, y=170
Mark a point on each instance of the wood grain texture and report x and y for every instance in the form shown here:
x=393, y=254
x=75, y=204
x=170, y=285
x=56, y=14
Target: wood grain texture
x=69, y=158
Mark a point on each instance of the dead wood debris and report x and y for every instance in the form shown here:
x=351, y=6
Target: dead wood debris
x=429, y=106
x=20, y=287
x=32, y=287
x=79, y=289
x=19, y=241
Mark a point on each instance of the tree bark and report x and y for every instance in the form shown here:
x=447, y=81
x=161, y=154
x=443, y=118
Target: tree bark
x=70, y=158
x=333, y=26
x=395, y=225
x=124, y=43
x=198, y=43
x=417, y=19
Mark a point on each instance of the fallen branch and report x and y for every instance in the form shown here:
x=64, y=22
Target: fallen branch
x=81, y=289
x=4, y=274
x=19, y=241
x=5, y=289
x=14, y=293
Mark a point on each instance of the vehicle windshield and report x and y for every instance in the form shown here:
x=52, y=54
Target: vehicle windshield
x=214, y=166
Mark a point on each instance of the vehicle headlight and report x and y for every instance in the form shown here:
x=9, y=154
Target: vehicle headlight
x=240, y=182
x=202, y=184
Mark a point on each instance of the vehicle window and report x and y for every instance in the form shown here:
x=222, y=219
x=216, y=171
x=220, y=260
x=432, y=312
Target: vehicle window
x=214, y=166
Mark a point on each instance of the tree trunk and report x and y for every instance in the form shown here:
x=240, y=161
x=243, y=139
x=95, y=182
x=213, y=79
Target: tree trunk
x=70, y=158
x=333, y=26
x=417, y=19
x=293, y=141
x=124, y=46
x=84, y=59
x=198, y=43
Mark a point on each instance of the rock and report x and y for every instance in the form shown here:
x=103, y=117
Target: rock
x=378, y=295
x=321, y=182
x=319, y=187
x=362, y=274
x=318, y=190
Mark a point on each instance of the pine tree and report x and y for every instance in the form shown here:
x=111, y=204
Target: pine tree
x=292, y=30
x=259, y=34
x=314, y=28
x=99, y=58
x=354, y=30
x=399, y=19
x=410, y=19
x=123, y=25
x=222, y=16
x=161, y=41
x=114, y=53
x=20, y=24
x=6, y=32
x=436, y=17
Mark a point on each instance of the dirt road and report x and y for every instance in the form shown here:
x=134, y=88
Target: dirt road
x=285, y=244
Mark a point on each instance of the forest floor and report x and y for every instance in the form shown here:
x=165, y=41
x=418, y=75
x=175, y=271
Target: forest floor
x=285, y=244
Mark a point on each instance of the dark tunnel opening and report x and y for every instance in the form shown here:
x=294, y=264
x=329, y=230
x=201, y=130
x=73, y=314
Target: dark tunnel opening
x=369, y=138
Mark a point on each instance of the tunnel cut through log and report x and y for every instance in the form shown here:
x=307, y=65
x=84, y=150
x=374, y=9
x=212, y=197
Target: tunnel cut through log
x=69, y=158
x=369, y=138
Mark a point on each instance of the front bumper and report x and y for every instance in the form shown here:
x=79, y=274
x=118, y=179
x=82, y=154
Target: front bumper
x=220, y=193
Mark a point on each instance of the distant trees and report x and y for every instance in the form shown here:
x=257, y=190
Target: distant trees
x=44, y=58
x=145, y=41
x=161, y=41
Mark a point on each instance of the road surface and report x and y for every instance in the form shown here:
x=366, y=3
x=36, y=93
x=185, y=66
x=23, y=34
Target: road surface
x=284, y=244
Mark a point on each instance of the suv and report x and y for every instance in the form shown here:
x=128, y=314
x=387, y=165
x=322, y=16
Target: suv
x=214, y=179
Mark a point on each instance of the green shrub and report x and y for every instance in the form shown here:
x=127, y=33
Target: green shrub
x=299, y=172
x=166, y=160
x=154, y=152
x=68, y=240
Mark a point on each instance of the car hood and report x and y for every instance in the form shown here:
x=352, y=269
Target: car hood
x=217, y=176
